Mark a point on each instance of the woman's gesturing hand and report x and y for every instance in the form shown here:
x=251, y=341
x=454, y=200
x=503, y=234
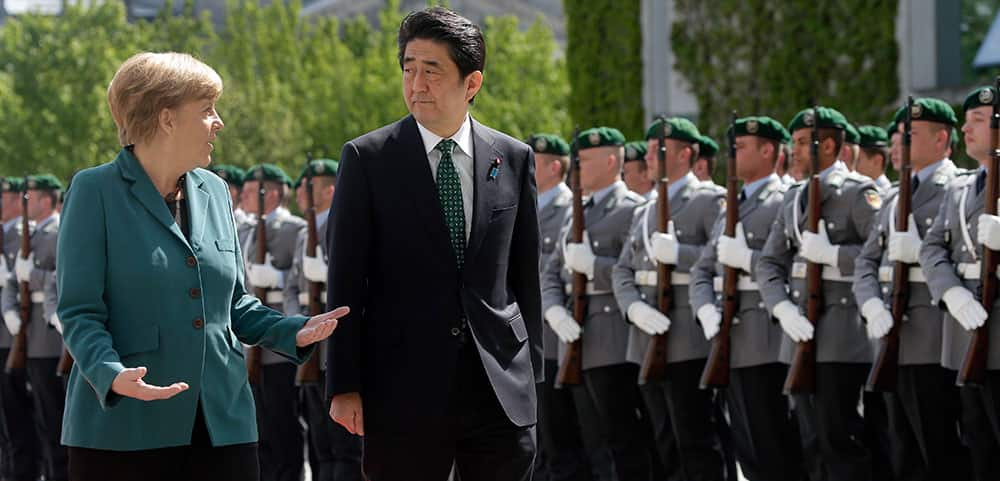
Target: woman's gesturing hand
x=320, y=327
x=129, y=383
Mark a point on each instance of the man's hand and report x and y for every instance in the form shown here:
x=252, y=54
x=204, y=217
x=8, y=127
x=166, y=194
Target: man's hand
x=346, y=411
x=129, y=383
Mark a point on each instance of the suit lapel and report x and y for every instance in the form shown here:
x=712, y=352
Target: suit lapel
x=144, y=192
x=484, y=188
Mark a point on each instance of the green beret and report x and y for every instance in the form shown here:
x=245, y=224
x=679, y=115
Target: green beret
x=599, y=137
x=676, y=128
x=707, y=148
x=635, y=150
x=892, y=128
x=12, y=184
x=873, y=136
x=268, y=172
x=321, y=168
x=548, y=144
x=981, y=97
x=232, y=174
x=828, y=118
x=43, y=182
x=929, y=110
x=761, y=126
x=851, y=134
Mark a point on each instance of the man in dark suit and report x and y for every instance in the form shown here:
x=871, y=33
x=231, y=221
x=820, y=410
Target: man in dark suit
x=436, y=236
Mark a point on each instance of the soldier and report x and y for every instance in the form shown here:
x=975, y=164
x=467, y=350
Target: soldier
x=873, y=156
x=634, y=172
x=923, y=412
x=43, y=333
x=949, y=257
x=608, y=379
x=831, y=428
x=281, y=436
x=764, y=435
x=234, y=179
x=681, y=413
x=849, y=151
x=705, y=164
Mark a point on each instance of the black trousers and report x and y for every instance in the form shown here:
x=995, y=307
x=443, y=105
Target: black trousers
x=48, y=399
x=763, y=431
x=281, y=435
x=878, y=439
x=924, y=417
x=684, y=424
x=622, y=418
x=336, y=453
x=478, y=438
x=831, y=426
x=720, y=420
x=199, y=461
x=19, y=456
x=980, y=426
x=561, y=452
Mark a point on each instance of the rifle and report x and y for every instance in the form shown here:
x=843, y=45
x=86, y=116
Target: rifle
x=802, y=373
x=974, y=366
x=654, y=363
x=571, y=365
x=885, y=370
x=253, y=353
x=716, y=373
x=18, y=355
x=309, y=373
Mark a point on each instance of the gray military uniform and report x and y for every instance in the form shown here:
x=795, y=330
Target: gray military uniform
x=693, y=210
x=848, y=214
x=605, y=336
x=11, y=241
x=43, y=340
x=551, y=219
x=920, y=334
x=755, y=338
x=296, y=289
x=283, y=230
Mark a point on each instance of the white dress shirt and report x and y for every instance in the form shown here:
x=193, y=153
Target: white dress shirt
x=461, y=157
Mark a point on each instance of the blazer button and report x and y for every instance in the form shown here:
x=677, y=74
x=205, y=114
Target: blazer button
x=195, y=292
x=455, y=331
x=191, y=261
x=198, y=323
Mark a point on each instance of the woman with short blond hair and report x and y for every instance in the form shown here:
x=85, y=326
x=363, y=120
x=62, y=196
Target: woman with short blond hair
x=151, y=293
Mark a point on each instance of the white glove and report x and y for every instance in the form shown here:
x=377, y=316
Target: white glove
x=817, y=247
x=54, y=322
x=4, y=270
x=314, y=268
x=964, y=307
x=905, y=246
x=733, y=251
x=13, y=321
x=989, y=231
x=649, y=320
x=23, y=267
x=665, y=246
x=580, y=257
x=879, y=319
x=793, y=322
x=264, y=275
x=710, y=319
x=565, y=327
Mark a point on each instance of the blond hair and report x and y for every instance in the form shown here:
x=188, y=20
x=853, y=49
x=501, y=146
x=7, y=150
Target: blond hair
x=149, y=82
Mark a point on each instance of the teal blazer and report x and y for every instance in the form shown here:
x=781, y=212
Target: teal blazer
x=134, y=292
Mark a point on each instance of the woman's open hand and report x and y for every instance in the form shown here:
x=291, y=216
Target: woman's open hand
x=129, y=383
x=320, y=327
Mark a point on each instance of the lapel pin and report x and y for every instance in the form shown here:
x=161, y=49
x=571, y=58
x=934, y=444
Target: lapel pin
x=494, y=169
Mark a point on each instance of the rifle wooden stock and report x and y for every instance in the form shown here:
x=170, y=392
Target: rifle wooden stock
x=802, y=372
x=974, y=365
x=571, y=365
x=18, y=356
x=884, y=375
x=310, y=372
x=253, y=353
x=65, y=363
x=716, y=373
x=654, y=362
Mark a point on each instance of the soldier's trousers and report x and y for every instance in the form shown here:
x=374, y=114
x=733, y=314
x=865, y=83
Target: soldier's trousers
x=281, y=440
x=833, y=431
x=336, y=452
x=621, y=417
x=980, y=426
x=683, y=423
x=923, y=420
x=48, y=399
x=763, y=431
x=560, y=438
x=18, y=439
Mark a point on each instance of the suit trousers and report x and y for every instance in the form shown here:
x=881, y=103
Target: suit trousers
x=48, y=398
x=478, y=439
x=19, y=454
x=280, y=432
x=336, y=453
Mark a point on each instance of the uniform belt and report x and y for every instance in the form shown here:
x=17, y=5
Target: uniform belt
x=591, y=290
x=971, y=270
x=743, y=283
x=830, y=273
x=274, y=297
x=38, y=297
x=649, y=278
x=304, y=298
x=916, y=274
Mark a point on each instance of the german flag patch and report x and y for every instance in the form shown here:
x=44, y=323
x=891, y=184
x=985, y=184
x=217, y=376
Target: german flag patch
x=873, y=199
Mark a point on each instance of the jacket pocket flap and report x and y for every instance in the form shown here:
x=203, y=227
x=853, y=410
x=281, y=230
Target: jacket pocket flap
x=225, y=245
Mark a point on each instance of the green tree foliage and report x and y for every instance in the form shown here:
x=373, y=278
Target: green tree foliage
x=292, y=84
x=604, y=56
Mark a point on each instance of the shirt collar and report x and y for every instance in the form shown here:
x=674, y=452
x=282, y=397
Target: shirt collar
x=883, y=182
x=279, y=213
x=463, y=138
x=601, y=194
x=322, y=217
x=675, y=186
x=652, y=194
x=838, y=165
x=928, y=171
x=46, y=221
x=546, y=198
x=750, y=189
x=7, y=226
